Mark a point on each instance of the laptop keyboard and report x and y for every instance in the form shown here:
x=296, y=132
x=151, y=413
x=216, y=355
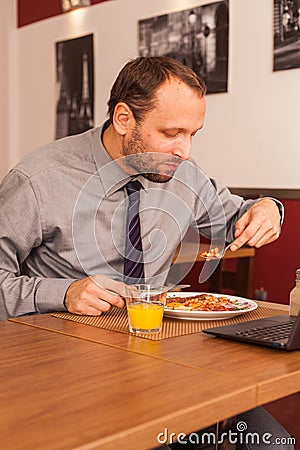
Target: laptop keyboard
x=269, y=334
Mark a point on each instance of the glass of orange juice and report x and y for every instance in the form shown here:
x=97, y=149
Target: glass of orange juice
x=145, y=307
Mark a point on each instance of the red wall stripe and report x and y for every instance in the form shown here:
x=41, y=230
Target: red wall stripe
x=30, y=11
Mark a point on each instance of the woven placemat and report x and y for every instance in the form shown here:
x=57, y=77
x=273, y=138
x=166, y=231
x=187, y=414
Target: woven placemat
x=116, y=320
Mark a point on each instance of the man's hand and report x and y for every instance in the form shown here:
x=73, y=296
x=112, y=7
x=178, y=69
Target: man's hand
x=260, y=225
x=94, y=295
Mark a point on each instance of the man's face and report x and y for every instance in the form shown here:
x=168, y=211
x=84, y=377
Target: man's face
x=163, y=139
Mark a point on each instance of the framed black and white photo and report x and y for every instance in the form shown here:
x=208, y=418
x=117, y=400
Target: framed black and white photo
x=197, y=37
x=75, y=86
x=286, y=34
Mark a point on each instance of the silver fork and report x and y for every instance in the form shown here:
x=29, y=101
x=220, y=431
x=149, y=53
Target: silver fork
x=215, y=253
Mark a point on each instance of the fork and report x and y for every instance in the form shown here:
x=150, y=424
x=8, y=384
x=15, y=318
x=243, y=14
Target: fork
x=215, y=253
x=177, y=287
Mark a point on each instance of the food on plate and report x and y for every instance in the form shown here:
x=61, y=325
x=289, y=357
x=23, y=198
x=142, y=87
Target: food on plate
x=206, y=302
x=213, y=253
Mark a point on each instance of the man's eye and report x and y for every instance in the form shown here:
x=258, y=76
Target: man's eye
x=171, y=134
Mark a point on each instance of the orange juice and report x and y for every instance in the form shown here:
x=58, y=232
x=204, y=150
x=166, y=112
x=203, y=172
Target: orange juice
x=145, y=317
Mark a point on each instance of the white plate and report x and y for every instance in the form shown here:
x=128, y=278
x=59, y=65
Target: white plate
x=207, y=315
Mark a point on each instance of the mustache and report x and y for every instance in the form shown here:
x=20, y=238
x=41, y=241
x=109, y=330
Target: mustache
x=173, y=160
x=169, y=159
x=153, y=163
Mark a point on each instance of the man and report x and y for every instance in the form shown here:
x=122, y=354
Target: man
x=46, y=249
x=63, y=208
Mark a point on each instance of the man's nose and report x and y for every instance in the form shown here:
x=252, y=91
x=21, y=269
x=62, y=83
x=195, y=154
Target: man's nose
x=183, y=149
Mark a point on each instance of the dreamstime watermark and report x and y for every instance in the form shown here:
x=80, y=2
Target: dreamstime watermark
x=239, y=435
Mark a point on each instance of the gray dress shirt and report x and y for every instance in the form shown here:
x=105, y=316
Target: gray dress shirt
x=63, y=213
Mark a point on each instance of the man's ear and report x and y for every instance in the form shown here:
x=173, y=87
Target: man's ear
x=123, y=119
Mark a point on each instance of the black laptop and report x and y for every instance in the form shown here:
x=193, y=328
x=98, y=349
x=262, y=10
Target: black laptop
x=282, y=332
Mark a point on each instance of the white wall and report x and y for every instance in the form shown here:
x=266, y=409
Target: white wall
x=3, y=95
x=251, y=135
x=8, y=84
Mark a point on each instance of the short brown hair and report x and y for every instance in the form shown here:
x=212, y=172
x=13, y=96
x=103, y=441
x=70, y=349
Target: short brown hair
x=140, y=78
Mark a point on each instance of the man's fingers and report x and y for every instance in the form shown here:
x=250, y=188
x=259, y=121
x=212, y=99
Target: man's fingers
x=103, y=282
x=261, y=239
x=113, y=298
x=102, y=293
x=253, y=236
x=89, y=310
x=241, y=224
x=243, y=232
x=257, y=226
x=88, y=297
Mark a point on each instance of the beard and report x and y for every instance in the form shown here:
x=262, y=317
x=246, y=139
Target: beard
x=156, y=167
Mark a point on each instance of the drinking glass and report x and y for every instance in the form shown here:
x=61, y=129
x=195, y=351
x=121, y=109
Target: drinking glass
x=145, y=307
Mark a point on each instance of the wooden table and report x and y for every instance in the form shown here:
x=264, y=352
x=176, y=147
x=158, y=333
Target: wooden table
x=59, y=392
x=68, y=385
x=240, y=280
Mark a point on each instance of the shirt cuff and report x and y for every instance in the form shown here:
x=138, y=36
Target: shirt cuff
x=280, y=208
x=50, y=294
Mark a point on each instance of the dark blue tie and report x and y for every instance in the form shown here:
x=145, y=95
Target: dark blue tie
x=133, y=260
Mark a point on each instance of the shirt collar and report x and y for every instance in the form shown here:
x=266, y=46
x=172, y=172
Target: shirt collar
x=112, y=176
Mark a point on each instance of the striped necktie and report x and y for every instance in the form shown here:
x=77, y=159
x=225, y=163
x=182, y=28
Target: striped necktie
x=133, y=260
